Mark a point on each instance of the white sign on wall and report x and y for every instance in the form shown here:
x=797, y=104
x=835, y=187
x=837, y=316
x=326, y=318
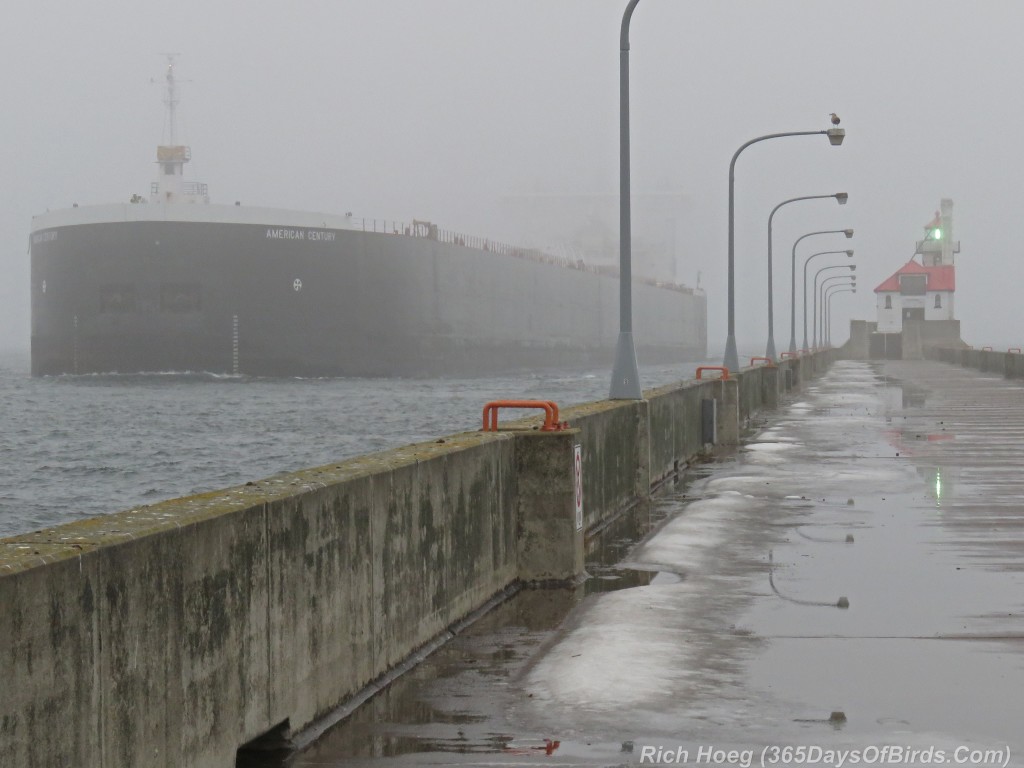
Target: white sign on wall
x=577, y=464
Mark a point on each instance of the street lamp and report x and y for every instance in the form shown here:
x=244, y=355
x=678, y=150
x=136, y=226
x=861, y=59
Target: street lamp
x=833, y=292
x=792, y=340
x=793, y=285
x=818, y=324
x=625, y=376
x=814, y=291
x=835, y=138
x=827, y=285
x=841, y=198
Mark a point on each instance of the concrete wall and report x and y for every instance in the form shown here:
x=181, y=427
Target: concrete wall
x=1008, y=364
x=172, y=634
x=858, y=346
x=940, y=333
x=919, y=335
x=867, y=339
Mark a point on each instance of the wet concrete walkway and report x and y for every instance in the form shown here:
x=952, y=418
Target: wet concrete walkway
x=853, y=580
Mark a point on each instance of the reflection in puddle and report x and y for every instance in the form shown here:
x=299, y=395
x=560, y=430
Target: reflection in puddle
x=940, y=483
x=900, y=395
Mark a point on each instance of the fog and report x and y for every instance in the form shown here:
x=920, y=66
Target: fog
x=458, y=111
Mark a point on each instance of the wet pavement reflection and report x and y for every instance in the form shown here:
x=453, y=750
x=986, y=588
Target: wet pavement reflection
x=852, y=578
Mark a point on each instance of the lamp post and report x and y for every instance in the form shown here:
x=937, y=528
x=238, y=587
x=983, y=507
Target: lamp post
x=814, y=291
x=827, y=285
x=849, y=254
x=835, y=138
x=625, y=376
x=792, y=287
x=832, y=293
x=841, y=198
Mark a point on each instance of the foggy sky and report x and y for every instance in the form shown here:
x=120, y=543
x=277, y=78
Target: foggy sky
x=440, y=110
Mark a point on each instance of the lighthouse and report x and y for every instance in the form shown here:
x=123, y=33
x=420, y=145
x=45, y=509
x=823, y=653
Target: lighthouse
x=915, y=306
x=922, y=289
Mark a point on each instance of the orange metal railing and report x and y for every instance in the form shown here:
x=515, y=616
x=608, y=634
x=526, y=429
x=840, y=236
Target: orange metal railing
x=551, y=422
x=790, y=355
x=768, y=362
x=1013, y=351
x=722, y=368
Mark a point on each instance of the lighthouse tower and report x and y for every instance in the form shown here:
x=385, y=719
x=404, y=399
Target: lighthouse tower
x=938, y=247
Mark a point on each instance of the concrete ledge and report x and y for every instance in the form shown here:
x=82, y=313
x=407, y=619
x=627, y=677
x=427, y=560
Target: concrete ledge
x=174, y=633
x=1007, y=364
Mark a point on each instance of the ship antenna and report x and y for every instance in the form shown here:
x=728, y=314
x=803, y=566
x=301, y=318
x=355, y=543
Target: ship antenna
x=171, y=100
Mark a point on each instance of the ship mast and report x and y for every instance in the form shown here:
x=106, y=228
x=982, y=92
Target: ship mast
x=171, y=99
x=170, y=186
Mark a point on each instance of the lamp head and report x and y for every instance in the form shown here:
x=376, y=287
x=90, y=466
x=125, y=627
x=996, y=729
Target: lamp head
x=841, y=197
x=852, y=266
x=836, y=136
x=849, y=254
x=848, y=233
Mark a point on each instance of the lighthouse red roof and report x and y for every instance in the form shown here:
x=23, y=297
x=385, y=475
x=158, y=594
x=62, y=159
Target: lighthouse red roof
x=941, y=278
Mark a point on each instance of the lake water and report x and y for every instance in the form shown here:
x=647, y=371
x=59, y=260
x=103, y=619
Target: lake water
x=79, y=446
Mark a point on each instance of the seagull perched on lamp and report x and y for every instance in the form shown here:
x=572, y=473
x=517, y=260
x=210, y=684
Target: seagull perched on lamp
x=835, y=118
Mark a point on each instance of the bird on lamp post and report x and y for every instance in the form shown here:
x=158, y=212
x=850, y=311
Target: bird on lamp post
x=835, y=118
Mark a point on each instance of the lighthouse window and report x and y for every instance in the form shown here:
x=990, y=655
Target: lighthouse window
x=169, y=169
x=888, y=302
x=913, y=285
x=938, y=301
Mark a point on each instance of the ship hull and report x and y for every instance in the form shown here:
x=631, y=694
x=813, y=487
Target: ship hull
x=270, y=299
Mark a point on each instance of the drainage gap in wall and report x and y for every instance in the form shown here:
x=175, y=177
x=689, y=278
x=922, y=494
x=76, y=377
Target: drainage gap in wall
x=267, y=749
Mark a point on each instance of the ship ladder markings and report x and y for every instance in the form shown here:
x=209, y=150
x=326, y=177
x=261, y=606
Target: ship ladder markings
x=234, y=345
x=74, y=350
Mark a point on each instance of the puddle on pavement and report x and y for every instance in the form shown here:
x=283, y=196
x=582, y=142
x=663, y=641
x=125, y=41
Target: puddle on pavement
x=456, y=700
x=610, y=547
x=914, y=439
x=900, y=395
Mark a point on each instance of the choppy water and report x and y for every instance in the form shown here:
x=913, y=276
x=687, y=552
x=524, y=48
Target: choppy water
x=79, y=446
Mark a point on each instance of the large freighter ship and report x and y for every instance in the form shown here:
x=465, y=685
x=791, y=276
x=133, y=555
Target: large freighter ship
x=176, y=283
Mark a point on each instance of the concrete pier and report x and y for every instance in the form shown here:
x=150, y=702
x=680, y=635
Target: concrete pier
x=175, y=633
x=845, y=590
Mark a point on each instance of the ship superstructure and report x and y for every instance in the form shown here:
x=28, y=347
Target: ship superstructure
x=170, y=186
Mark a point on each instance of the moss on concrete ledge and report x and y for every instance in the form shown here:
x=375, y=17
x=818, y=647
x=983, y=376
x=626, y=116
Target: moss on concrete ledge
x=71, y=540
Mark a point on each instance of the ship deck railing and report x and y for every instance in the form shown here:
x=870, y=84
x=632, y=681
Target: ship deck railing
x=451, y=237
